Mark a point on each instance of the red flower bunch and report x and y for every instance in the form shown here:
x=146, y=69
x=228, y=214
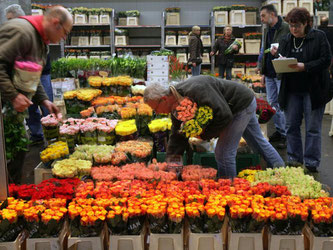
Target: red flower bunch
x=266, y=190
x=264, y=111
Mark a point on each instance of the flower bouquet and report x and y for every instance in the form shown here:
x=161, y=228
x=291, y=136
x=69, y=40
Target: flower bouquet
x=105, y=132
x=264, y=111
x=196, y=173
x=109, y=111
x=103, y=154
x=252, y=35
x=70, y=168
x=230, y=49
x=69, y=132
x=89, y=131
x=124, y=85
x=86, y=219
x=144, y=116
x=165, y=215
x=45, y=219
x=126, y=130
x=137, y=151
x=159, y=130
x=247, y=214
x=128, y=113
x=10, y=225
x=50, y=125
x=55, y=151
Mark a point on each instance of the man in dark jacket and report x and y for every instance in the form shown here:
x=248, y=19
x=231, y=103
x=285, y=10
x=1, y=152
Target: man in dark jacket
x=276, y=28
x=195, y=50
x=234, y=116
x=329, y=34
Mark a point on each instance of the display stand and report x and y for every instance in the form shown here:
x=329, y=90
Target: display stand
x=205, y=241
x=127, y=242
x=281, y=242
x=167, y=241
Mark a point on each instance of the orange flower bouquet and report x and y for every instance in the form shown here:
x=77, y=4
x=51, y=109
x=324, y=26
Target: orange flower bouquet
x=127, y=218
x=45, y=218
x=10, y=223
x=86, y=219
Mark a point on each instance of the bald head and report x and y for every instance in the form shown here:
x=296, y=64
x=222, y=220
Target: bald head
x=58, y=23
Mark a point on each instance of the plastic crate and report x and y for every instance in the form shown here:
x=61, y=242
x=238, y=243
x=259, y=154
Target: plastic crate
x=127, y=242
x=161, y=157
x=318, y=243
x=246, y=160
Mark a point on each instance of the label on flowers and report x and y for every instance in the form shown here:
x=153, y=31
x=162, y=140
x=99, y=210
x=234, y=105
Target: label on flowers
x=101, y=138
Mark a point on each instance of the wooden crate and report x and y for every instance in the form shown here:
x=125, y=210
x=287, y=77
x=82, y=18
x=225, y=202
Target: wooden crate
x=252, y=46
x=170, y=40
x=83, y=40
x=122, y=21
x=121, y=40
x=288, y=5
x=277, y=4
x=221, y=18
x=132, y=21
x=104, y=19
x=80, y=19
x=241, y=40
x=237, y=17
x=307, y=4
x=250, y=17
x=172, y=18
x=93, y=19
x=95, y=40
x=206, y=40
x=182, y=40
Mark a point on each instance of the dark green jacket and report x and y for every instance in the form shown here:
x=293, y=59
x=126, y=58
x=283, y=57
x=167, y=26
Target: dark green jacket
x=19, y=40
x=226, y=98
x=283, y=30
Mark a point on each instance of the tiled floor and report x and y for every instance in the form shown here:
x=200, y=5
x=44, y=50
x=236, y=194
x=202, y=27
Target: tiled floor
x=325, y=171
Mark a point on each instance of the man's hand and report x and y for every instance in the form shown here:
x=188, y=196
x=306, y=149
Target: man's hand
x=21, y=103
x=194, y=64
x=257, y=70
x=53, y=109
x=212, y=53
x=274, y=50
x=299, y=67
x=235, y=47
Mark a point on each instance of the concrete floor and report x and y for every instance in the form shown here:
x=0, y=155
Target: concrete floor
x=325, y=170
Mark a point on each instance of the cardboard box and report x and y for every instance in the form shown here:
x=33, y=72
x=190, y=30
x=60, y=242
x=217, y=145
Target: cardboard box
x=80, y=19
x=74, y=40
x=288, y=5
x=121, y=40
x=130, y=21
x=172, y=18
x=205, y=58
x=127, y=242
x=281, y=242
x=250, y=18
x=41, y=173
x=245, y=241
x=13, y=245
x=277, y=4
x=205, y=241
x=206, y=40
x=221, y=17
x=87, y=243
x=170, y=40
x=122, y=21
x=237, y=17
x=83, y=40
x=93, y=19
x=104, y=19
x=166, y=241
x=182, y=40
x=252, y=46
x=95, y=40
x=182, y=57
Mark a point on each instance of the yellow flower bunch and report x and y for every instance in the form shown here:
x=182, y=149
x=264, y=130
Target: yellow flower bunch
x=55, y=203
x=9, y=214
x=56, y=213
x=191, y=128
x=95, y=81
x=88, y=94
x=145, y=109
x=18, y=205
x=248, y=174
x=119, y=80
x=125, y=128
x=70, y=94
x=159, y=125
x=204, y=114
x=70, y=168
x=128, y=113
x=89, y=214
x=54, y=151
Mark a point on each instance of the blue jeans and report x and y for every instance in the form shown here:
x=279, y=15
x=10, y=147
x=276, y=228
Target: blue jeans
x=243, y=123
x=272, y=90
x=33, y=122
x=299, y=105
x=222, y=69
x=196, y=70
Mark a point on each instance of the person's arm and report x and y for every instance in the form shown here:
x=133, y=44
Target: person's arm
x=215, y=48
x=324, y=60
x=177, y=141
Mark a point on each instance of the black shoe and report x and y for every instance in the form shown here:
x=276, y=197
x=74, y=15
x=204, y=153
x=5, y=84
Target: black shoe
x=275, y=137
x=283, y=143
x=312, y=169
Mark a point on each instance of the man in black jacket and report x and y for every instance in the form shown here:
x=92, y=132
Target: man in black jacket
x=234, y=116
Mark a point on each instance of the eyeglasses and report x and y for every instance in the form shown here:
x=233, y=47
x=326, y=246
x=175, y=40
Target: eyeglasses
x=65, y=31
x=295, y=26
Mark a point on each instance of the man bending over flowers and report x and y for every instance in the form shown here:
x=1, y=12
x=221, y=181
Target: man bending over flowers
x=230, y=109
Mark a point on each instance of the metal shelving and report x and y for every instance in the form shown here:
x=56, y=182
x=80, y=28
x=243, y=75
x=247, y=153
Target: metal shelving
x=91, y=25
x=86, y=46
x=137, y=26
x=138, y=46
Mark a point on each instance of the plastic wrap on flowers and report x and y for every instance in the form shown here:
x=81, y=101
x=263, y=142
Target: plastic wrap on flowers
x=205, y=224
x=246, y=225
x=264, y=111
x=123, y=90
x=290, y=226
x=39, y=229
x=106, y=138
x=10, y=225
x=160, y=140
x=78, y=230
x=162, y=225
x=130, y=137
x=89, y=137
x=322, y=229
x=51, y=133
x=142, y=122
x=120, y=226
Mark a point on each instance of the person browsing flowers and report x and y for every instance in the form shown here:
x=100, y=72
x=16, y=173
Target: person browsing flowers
x=229, y=109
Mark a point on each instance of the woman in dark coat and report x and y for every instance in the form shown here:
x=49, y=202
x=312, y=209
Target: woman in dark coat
x=225, y=62
x=305, y=92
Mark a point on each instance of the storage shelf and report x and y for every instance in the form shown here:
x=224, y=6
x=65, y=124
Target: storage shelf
x=138, y=46
x=183, y=46
x=88, y=46
x=240, y=26
x=91, y=25
x=185, y=26
x=137, y=26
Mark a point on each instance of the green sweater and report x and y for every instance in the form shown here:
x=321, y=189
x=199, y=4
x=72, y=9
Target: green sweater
x=226, y=98
x=19, y=39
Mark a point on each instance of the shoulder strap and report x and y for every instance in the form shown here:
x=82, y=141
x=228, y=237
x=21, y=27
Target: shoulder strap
x=176, y=94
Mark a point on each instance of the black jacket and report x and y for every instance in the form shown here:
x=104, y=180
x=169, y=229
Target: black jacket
x=195, y=48
x=226, y=98
x=221, y=46
x=317, y=59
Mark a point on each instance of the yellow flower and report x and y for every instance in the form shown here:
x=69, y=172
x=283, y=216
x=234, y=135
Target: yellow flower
x=95, y=81
x=54, y=151
x=159, y=125
x=70, y=94
x=125, y=128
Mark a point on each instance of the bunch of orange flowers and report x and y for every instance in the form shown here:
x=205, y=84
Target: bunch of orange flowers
x=175, y=210
x=84, y=190
x=54, y=213
x=8, y=214
x=17, y=205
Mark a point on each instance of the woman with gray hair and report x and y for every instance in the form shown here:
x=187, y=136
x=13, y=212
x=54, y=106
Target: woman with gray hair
x=234, y=116
x=14, y=11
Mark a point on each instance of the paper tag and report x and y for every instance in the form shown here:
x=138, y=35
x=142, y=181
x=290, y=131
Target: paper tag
x=103, y=73
x=101, y=138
